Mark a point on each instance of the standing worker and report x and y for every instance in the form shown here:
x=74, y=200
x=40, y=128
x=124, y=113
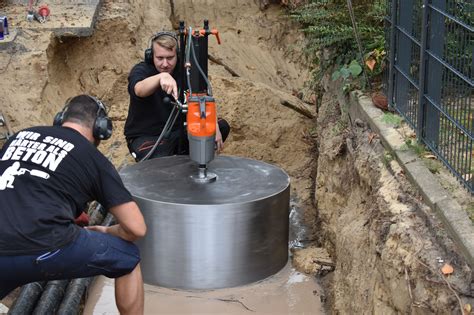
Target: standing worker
x=51, y=174
x=149, y=82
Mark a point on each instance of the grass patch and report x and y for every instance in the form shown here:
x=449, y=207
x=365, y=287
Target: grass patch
x=392, y=119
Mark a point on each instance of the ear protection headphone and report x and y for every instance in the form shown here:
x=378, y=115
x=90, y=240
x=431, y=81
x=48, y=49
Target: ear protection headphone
x=149, y=50
x=102, y=129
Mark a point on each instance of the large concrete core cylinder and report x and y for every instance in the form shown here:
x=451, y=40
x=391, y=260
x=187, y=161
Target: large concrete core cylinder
x=225, y=233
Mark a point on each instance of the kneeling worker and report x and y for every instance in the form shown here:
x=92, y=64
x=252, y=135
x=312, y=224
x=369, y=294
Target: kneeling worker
x=149, y=83
x=49, y=176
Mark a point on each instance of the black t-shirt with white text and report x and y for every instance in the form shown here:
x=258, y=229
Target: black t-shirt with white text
x=146, y=116
x=47, y=177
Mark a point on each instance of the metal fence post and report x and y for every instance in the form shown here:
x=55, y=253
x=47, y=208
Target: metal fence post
x=422, y=74
x=435, y=70
x=404, y=56
x=393, y=21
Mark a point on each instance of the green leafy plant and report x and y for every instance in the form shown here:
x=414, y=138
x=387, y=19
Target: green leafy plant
x=331, y=42
x=348, y=73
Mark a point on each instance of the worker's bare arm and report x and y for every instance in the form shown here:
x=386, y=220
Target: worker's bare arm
x=131, y=225
x=163, y=80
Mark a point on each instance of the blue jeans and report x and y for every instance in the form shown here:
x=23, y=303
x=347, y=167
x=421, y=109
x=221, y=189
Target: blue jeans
x=90, y=254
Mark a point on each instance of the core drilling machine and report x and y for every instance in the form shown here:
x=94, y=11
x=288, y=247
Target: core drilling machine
x=195, y=99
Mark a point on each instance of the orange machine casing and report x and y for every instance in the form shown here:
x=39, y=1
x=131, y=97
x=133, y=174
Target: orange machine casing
x=201, y=125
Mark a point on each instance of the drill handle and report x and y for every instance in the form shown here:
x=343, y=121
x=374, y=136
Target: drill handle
x=182, y=107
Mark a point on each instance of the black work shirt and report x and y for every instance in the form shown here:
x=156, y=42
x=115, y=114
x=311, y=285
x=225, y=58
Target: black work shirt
x=47, y=177
x=146, y=115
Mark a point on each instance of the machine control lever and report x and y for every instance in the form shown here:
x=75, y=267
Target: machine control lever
x=177, y=103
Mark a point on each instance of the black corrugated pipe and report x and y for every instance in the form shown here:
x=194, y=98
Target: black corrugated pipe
x=77, y=287
x=52, y=295
x=73, y=296
x=26, y=300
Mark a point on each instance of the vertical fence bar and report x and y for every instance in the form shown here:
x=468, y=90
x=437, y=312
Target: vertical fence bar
x=422, y=73
x=437, y=74
x=393, y=21
x=404, y=54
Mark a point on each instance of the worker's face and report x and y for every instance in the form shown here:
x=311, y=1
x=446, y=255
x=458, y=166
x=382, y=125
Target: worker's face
x=164, y=59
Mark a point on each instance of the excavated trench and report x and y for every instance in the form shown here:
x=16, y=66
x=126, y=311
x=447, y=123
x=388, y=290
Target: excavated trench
x=385, y=245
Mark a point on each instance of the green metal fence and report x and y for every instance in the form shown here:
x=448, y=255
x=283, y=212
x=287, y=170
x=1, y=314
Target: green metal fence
x=430, y=76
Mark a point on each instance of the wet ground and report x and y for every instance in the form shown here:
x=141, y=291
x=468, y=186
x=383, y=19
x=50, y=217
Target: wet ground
x=287, y=292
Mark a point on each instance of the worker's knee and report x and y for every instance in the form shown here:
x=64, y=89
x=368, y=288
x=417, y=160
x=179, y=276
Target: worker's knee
x=114, y=257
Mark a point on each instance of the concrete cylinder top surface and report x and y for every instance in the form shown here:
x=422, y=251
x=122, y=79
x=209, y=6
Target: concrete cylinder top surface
x=220, y=234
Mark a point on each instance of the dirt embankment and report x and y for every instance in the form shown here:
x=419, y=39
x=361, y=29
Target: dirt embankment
x=387, y=244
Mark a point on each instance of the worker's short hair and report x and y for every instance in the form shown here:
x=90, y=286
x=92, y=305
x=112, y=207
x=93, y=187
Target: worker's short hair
x=166, y=40
x=81, y=109
x=89, y=112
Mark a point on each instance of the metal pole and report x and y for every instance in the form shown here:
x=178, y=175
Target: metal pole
x=422, y=73
x=393, y=22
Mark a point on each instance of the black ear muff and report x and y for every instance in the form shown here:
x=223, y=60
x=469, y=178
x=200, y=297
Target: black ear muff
x=149, y=51
x=102, y=129
x=103, y=124
x=58, y=119
x=149, y=55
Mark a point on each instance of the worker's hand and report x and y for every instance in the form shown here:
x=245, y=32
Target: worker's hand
x=168, y=84
x=97, y=228
x=219, y=142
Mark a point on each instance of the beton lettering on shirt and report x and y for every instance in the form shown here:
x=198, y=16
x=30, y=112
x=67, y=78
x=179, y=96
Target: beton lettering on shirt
x=47, y=152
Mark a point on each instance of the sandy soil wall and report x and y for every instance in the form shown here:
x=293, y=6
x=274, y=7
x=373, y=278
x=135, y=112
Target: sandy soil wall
x=386, y=242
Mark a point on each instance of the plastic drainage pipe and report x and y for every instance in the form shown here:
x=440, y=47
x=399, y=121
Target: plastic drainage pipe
x=51, y=297
x=26, y=300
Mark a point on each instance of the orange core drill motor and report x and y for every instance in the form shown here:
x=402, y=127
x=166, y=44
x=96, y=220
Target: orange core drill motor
x=201, y=112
